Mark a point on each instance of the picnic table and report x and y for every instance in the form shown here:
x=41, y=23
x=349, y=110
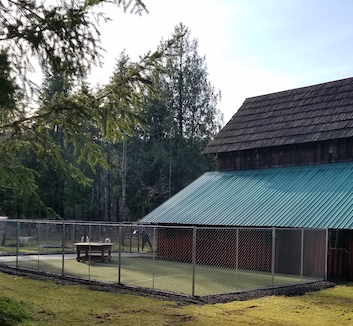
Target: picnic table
x=94, y=251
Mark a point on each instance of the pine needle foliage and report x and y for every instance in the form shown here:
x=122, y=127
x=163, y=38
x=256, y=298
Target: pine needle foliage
x=62, y=38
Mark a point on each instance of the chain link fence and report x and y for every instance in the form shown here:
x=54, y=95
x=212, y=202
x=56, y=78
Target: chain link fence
x=193, y=261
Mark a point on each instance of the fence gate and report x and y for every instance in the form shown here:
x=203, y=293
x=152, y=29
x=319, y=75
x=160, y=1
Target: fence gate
x=339, y=260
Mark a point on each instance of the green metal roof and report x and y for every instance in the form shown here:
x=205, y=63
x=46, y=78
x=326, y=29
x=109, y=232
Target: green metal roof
x=317, y=196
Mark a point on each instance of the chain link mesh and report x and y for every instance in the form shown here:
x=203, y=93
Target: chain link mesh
x=195, y=261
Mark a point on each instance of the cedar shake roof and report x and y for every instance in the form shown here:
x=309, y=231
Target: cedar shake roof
x=309, y=114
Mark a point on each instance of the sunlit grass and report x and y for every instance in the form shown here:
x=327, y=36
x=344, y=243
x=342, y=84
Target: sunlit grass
x=53, y=304
x=323, y=308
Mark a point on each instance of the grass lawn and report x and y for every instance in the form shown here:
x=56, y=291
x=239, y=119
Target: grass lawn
x=163, y=275
x=47, y=303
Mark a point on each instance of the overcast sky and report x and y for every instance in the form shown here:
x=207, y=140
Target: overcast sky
x=252, y=47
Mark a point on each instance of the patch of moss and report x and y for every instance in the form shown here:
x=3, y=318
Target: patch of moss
x=13, y=312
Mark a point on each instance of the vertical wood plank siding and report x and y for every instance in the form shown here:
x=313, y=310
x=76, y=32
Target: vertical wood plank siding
x=330, y=151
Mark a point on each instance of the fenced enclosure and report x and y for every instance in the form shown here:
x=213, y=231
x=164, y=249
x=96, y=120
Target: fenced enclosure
x=193, y=261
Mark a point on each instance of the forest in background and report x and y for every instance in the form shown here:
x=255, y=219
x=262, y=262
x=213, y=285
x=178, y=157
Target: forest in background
x=111, y=152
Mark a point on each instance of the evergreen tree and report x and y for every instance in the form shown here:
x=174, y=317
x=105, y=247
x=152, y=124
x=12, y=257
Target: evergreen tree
x=192, y=104
x=63, y=37
x=121, y=106
x=181, y=116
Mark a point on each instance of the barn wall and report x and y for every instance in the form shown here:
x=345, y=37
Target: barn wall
x=296, y=251
x=340, y=255
x=338, y=150
x=350, y=255
x=218, y=247
x=255, y=249
x=175, y=244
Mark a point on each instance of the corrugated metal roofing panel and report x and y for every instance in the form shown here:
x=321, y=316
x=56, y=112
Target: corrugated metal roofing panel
x=317, y=196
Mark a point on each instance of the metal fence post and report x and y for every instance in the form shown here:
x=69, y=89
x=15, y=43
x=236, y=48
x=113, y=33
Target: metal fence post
x=302, y=257
x=273, y=255
x=326, y=254
x=74, y=232
x=63, y=240
x=17, y=242
x=237, y=259
x=153, y=256
x=119, y=253
x=38, y=249
x=89, y=250
x=130, y=238
x=193, y=260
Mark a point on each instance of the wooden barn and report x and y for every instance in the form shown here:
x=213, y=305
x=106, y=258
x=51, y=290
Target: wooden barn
x=285, y=160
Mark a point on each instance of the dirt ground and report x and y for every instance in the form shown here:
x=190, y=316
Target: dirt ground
x=293, y=290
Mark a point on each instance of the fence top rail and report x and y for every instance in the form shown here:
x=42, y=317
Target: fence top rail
x=137, y=224
x=66, y=222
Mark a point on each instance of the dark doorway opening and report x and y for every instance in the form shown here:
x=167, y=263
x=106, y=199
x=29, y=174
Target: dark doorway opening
x=339, y=261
